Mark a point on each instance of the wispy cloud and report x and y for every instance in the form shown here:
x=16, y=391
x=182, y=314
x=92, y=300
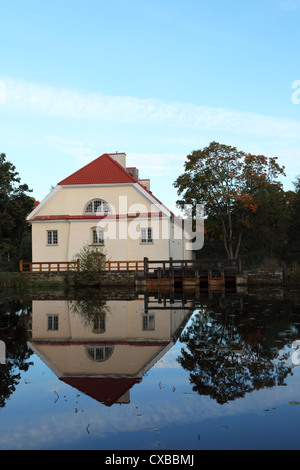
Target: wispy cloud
x=152, y=164
x=47, y=101
x=78, y=150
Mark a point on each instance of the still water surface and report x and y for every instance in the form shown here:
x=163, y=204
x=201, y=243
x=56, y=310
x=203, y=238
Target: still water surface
x=215, y=372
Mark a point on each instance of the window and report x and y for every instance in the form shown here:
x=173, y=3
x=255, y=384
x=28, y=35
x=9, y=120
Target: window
x=98, y=206
x=99, y=323
x=146, y=235
x=98, y=236
x=52, y=238
x=52, y=322
x=99, y=353
x=148, y=322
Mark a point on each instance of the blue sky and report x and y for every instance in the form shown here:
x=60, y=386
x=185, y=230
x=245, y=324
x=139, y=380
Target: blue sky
x=153, y=79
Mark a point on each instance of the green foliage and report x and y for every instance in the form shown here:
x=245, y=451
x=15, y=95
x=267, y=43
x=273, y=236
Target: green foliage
x=19, y=283
x=227, y=360
x=90, y=309
x=15, y=205
x=91, y=258
x=91, y=263
x=293, y=234
x=15, y=319
x=228, y=183
x=266, y=235
x=292, y=278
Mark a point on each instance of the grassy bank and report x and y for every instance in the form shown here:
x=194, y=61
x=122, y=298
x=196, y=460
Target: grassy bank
x=292, y=278
x=21, y=282
x=51, y=282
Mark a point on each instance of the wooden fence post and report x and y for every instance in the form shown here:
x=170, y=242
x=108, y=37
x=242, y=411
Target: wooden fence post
x=145, y=265
x=21, y=265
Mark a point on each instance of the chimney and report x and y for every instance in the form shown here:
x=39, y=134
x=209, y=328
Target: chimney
x=119, y=157
x=133, y=171
x=146, y=183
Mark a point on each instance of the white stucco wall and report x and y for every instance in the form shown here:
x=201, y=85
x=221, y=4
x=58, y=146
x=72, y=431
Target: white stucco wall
x=122, y=235
x=64, y=349
x=71, y=200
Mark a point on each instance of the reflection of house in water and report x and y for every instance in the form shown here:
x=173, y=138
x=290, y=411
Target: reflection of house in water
x=103, y=354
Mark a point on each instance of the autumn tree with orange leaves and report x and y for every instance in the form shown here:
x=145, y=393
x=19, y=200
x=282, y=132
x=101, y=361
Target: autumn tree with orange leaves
x=226, y=181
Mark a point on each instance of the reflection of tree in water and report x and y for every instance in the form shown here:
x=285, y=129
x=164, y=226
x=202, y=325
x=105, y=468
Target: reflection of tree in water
x=91, y=309
x=8, y=382
x=15, y=321
x=228, y=355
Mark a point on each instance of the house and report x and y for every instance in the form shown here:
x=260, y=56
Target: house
x=105, y=204
x=104, y=349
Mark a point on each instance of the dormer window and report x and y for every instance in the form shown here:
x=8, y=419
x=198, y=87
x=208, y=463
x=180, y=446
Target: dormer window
x=98, y=207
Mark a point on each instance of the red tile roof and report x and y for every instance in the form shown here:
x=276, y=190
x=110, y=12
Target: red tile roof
x=102, y=170
x=105, y=390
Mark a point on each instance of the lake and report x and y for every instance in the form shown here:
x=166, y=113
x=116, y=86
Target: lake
x=151, y=372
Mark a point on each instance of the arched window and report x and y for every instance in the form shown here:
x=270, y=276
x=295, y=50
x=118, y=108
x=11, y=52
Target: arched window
x=99, y=353
x=97, y=206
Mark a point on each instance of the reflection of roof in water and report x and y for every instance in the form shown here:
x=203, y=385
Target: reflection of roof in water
x=105, y=390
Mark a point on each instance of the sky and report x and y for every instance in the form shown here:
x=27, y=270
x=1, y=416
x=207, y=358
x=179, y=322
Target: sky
x=154, y=79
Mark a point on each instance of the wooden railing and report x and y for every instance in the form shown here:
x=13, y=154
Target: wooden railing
x=59, y=266
x=158, y=268
x=205, y=266
x=65, y=266
x=123, y=265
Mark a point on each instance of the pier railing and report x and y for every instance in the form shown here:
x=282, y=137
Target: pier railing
x=65, y=266
x=206, y=267
x=52, y=266
x=156, y=268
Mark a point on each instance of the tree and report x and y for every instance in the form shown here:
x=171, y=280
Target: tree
x=266, y=239
x=91, y=264
x=228, y=358
x=293, y=239
x=227, y=181
x=15, y=205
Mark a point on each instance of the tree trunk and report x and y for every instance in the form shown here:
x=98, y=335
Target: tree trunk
x=238, y=245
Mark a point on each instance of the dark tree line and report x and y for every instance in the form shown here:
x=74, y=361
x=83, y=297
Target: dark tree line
x=15, y=205
x=234, y=346
x=248, y=214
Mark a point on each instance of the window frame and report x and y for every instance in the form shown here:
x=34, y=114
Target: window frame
x=99, y=353
x=95, y=204
x=148, y=322
x=146, y=236
x=52, y=237
x=52, y=322
x=99, y=323
x=99, y=239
